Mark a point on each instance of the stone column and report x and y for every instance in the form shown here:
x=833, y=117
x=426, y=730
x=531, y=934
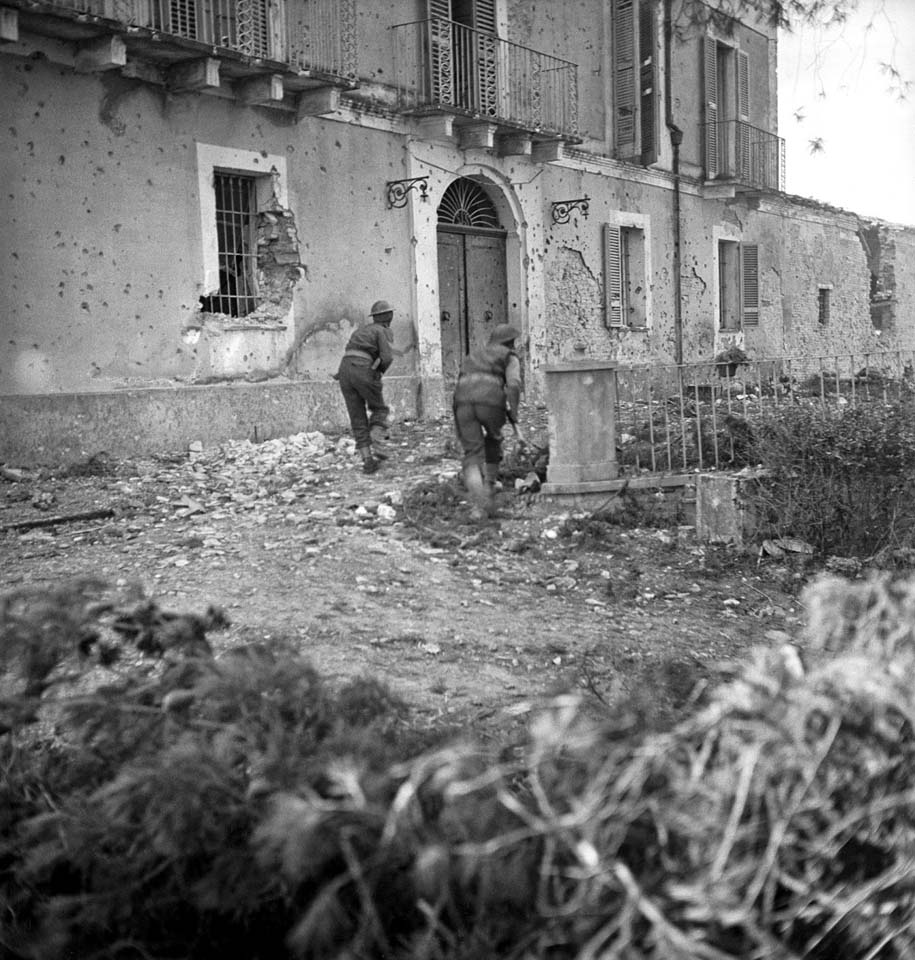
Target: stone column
x=581, y=397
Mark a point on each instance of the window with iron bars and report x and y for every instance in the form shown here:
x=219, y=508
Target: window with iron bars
x=236, y=213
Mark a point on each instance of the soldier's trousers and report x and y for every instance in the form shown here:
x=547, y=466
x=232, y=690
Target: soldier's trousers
x=362, y=393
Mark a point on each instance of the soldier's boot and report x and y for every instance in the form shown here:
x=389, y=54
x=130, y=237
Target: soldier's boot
x=380, y=445
x=369, y=463
x=479, y=494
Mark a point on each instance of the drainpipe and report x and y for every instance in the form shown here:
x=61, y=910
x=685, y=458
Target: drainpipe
x=676, y=138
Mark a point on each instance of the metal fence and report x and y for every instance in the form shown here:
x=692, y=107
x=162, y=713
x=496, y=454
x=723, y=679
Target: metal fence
x=444, y=65
x=699, y=416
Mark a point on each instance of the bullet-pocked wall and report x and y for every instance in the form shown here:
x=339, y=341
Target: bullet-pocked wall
x=574, y=256
x=105, y=269
x=815, y=280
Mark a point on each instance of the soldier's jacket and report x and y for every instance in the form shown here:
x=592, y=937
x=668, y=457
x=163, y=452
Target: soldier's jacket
x=490, y=375
x=371, y=341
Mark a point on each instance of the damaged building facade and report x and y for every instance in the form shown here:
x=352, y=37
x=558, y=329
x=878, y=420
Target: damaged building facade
x=203, y=197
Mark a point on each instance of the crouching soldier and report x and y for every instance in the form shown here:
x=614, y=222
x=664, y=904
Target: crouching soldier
x=487, y=392
x=366, y=357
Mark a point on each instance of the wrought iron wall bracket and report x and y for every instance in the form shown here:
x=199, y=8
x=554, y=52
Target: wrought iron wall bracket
x=561, y=210
x=399, y=189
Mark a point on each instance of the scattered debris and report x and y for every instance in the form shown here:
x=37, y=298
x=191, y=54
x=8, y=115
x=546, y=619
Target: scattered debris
x=14, y=475
x=783, y=545
x=53, y=521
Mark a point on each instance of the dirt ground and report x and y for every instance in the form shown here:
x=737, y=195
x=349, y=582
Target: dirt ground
x=385, y=575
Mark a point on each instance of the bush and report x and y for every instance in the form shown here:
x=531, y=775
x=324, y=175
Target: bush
x=128, y=808
x=260, y=815
x=841, y=478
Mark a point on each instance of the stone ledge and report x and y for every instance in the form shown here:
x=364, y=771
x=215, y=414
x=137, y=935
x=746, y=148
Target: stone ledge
x=63, y=428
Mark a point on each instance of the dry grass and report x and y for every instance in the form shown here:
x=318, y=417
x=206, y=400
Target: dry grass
x=778, y=821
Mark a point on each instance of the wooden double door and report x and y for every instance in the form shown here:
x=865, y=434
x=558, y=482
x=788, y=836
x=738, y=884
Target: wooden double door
x=473, y=296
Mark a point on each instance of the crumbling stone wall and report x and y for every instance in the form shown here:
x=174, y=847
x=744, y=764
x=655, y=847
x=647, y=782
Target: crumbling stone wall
x=254, y=347
x=279, y=267
x=575, y=295
x=879, y=246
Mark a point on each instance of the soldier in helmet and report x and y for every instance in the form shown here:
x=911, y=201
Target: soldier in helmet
x=488, y=391
x=366, y=357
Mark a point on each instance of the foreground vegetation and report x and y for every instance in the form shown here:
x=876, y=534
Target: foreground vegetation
x=239, y=807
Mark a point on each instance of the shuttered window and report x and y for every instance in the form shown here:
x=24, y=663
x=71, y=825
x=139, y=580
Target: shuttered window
x=710, y=83
x=743, y=116
x=635, y=79
x=613, y=276
x=464, y=63
x=624, y=104
x=625, y=276
x=749, y=282
x=648, y=81
x=441, y=53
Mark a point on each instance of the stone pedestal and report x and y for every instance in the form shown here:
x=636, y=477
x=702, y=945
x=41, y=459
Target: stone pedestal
x=722, y=513
x=581, y=395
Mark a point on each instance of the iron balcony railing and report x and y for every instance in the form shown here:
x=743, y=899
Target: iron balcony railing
x=698, y=416
x=318, y=36
x=744, y=154
x=444, y=66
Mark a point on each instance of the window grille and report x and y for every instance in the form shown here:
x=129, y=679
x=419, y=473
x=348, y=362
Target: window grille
x=466, y=204
x=237, y=244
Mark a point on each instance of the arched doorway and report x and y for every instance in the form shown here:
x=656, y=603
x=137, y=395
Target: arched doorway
x=473, y=295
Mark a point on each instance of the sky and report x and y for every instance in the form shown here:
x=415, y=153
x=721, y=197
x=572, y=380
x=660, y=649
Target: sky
x=849, y=137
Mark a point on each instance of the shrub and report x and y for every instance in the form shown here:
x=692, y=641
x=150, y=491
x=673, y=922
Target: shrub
x=841, y=478
x=261, y=816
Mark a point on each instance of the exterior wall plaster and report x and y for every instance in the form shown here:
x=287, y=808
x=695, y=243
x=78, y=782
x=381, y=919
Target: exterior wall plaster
x=107, y=252
x=122, y=308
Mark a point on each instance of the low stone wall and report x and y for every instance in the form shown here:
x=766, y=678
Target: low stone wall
x=60, y=429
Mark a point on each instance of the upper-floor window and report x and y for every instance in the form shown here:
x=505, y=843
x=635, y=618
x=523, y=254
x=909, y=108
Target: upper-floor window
x=726, y=84
x=635, y=79
x=465, y=54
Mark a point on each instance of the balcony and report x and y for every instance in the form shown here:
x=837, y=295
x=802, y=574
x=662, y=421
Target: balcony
x=443, y=67
x=744, y=156
x=305, y=44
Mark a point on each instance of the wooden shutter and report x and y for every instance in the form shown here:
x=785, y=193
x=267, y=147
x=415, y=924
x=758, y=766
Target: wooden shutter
x=749, y=284
x=484, y=21
x=484, y=16
x=613, y=276
x=441, y=51
x=624, y=78
x=648, y=81
x=710, y=80
x=743, y=117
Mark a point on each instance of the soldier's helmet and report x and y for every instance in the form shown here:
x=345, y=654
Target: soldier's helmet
x=504, y=333
x=380, y=306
